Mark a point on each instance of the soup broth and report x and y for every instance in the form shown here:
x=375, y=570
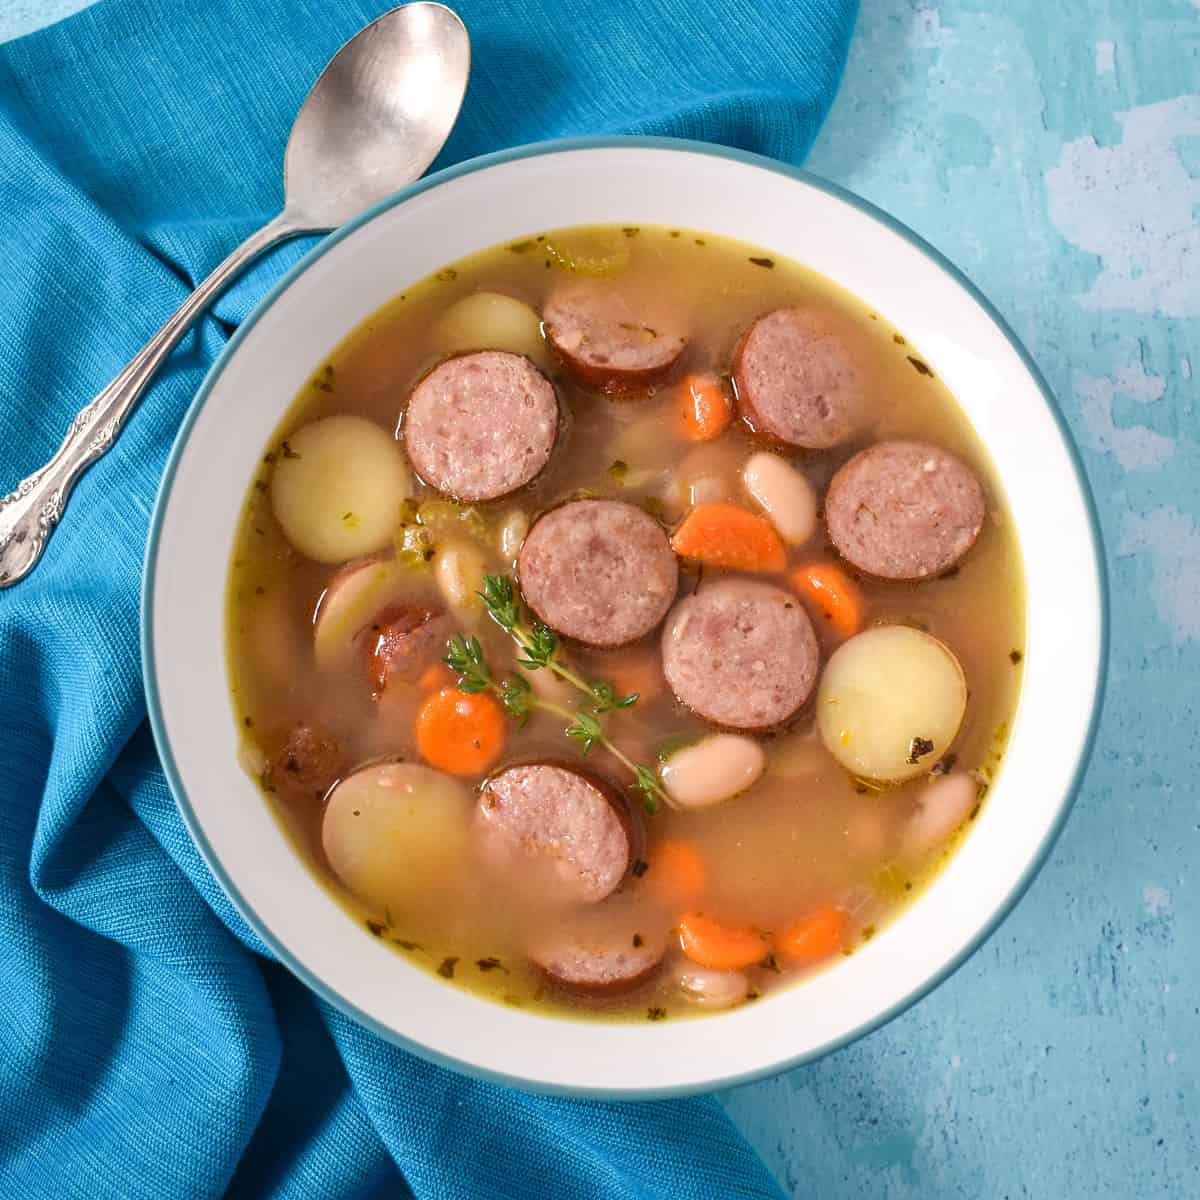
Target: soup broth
x=763, y=844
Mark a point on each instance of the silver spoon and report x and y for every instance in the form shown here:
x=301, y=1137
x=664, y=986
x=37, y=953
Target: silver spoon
x=374, y=120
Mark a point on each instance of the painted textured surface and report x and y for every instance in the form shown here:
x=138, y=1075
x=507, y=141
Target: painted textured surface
x=1053, y=152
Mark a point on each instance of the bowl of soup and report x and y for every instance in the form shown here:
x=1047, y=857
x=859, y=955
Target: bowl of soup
x=623, y=617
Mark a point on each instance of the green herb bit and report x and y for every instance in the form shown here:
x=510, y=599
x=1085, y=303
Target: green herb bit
x=464, y=656
x=920, y=367
x=587, y=731
x=376, y=927
x=918, y=748
x=405, y=944
x=449, y=275
x=763, y=262
x=324, y=381
x=656, y=1013
x=446, y=969
x=647, y=786
x=491, y=963
x=618, y=469
x=288, y=452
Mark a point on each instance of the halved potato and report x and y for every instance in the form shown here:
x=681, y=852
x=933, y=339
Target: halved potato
x=353, y=599
x=492, y=321
x=337, y=488
x=397, y=830
x=890, y=702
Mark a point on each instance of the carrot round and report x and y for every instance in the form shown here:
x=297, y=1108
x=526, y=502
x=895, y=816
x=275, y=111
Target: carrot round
x=706, y=408
x=675, y=872
x=814, y=937
x=710, y=943
x=459, y=733
x=724, y=535
x=832, y=594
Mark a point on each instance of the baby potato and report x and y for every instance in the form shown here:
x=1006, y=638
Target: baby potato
x=354, y=597
x=890, y=702
x=397, y=830
x=337, y=488
x=492, y=321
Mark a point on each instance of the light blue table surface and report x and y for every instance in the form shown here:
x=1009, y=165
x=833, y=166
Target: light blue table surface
x=1052, y=150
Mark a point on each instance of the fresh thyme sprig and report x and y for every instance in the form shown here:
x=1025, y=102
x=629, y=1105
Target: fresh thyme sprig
x=464, y=656
x=538, y=645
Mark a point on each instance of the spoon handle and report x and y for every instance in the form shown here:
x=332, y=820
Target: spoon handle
x=29, y=514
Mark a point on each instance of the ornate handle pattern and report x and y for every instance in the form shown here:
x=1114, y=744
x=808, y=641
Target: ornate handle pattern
x=30, y=513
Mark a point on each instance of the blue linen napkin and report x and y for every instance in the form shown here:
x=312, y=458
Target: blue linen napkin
x=149, y=1046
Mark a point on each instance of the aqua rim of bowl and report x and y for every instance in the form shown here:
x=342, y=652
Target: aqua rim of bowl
x=325, y=990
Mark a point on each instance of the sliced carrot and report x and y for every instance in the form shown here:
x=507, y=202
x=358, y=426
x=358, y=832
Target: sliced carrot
x=634, y=670
x=710, y=943
x=707, y=408
x=435, y=677
x=813, y=937
x=724, y=535
x=832, y=594
x=675, y=872
x=459, y=733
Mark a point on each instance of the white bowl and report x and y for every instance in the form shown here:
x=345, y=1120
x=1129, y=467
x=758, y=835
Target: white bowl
x=500, y=198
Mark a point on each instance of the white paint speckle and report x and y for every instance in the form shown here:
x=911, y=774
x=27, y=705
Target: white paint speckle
x=1185, y=363
x=1171, y=540
x=955, y=1061
x=1131, y=205
x=928, y=33
x=1157, y=899
x=1172, y=1057
x=1106, y=57
x=1135, y=445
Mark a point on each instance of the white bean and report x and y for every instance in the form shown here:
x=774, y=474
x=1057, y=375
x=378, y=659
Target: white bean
x=712, y=770
x=512, y=533
x=942, y=806
x=459, y=568
x=711, y=989
x=784, y=495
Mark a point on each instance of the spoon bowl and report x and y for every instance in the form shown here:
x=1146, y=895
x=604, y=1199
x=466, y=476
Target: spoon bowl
x=378, y=114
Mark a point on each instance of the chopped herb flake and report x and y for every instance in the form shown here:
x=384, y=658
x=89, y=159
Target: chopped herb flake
x=922, y=368
x=405, y=944
x=656, y=1014
x=523, y=247
x=631, y=231
x=491, y=963
x=639, y=868
x=448, y=275
x=1015, y=657
x=868, y=932
x=446, y=968
x=763, y=262
x=673, y=233
x=376, y=927
x=899, y=339
x=324, y=381
x=638, y=941
x=918, y=748
x=618, y=469
x=247, y=721
x=288, y=452
x=771, y=963
x=700, y=241
x=944, y=765
x=260, y=485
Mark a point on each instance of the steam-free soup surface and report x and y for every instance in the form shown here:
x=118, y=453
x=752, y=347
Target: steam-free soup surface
x=823, y=676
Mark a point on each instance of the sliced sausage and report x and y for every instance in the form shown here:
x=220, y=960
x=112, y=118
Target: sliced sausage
x=306, y=766
x=403, y=640
x=904, y=510
x=599, y=571
x=795, y=382
x=574, y=825
x=604, y=342
x=481, y=425
x=600, y=955
x=740, y=653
